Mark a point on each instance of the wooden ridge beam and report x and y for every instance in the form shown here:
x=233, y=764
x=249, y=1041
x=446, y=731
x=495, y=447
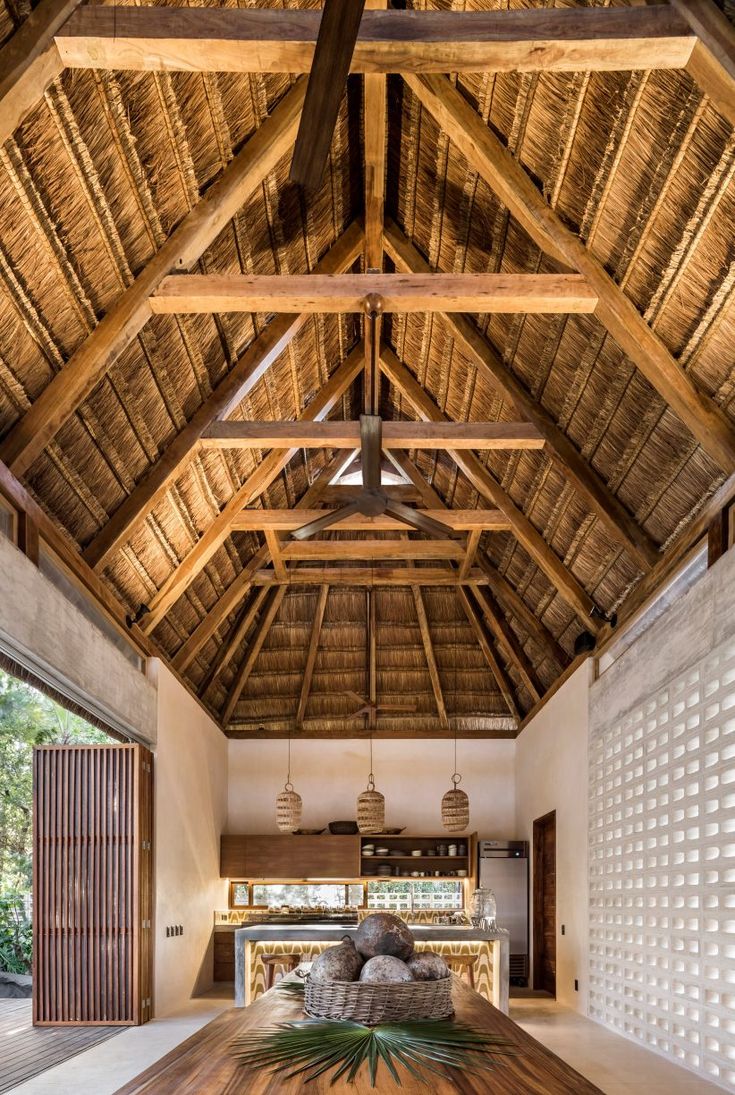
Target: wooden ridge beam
x=241, y=677
x=358, y=550
x=373, y=576
x=249, y=40
x=485, y=483
x=316, y=631
x=506, y=637
x=712, y=61
x=489, y=363
x=127, y=316
x=287, y=520
x=269, y=468
x=30, y=62
x=396, y=435
x=238, y=588
x=486, y=154
x=515, y=604
x=501, y=677
x=231, y=390
x=536, y=293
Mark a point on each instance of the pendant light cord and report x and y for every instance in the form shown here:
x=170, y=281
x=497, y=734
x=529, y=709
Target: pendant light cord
x=289, y=784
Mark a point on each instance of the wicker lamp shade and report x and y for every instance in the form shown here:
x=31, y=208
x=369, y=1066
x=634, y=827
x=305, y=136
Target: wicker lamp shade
x=288, y=809
x=455, y=808
x=371, y=809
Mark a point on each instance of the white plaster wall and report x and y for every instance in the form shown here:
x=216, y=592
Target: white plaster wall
x=412, y=774
x=49, y=635
x=190, y=812
x=551, y=774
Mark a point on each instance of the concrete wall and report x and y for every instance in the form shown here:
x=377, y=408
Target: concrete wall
x=190, y=813
x=551, y=774
x=40, y=628
x=413, y=775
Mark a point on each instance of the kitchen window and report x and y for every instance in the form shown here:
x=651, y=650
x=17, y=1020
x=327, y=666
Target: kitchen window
x=306, y=895
x=402, y=897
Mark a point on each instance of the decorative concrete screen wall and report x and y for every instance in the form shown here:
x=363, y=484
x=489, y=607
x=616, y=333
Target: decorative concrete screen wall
x=662, y=867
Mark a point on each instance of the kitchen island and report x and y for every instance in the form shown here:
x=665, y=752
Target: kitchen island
x=490, y=950
x=205, y=1063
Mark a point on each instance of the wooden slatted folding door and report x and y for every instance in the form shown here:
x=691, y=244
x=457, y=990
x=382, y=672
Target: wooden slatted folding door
x=92, y=889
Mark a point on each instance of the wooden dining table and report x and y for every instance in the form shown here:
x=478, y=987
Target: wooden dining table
x=204, y=1064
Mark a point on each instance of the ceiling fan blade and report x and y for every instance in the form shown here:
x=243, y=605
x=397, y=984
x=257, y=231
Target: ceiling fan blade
x=331, y=517
x=397, y=707
x=419, y=520
x=371, y=441
x=359, y=700
x=338, y=30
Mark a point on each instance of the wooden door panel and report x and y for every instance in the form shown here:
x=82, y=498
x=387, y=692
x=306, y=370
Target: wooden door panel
x=287, y=856
x=544, y=903
x=92, y=889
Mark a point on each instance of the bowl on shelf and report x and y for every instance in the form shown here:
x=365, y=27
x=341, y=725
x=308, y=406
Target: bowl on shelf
x=343, y=828
x=382, y=851
x=308, y=832
x=416, y=852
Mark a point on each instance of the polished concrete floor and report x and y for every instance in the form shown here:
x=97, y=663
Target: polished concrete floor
x=615, y=1064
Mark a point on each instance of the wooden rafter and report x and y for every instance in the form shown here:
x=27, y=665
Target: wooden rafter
x=249, y=40
x=269, y=468
x=375, y=133
x=395, y=435
x=286, y=520
x=275, y=550
x=561, y=450
x=505, y=636
x=30, y=62
x=486, y=484
x=127, y=316
x=369, y=576
x=316, y=631
x=243, y=582
x=515, y=604
x=503, y=681
x=486, y=154
x=356, y=550
x=431, y=663
x=238, y=633
x=534, y=293
x=468, y=561
x=231, y=390
x=712, y=61
x=241, y=677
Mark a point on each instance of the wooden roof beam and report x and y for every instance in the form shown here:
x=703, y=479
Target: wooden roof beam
x=250, y=40
x=536, y=293
x=486, y=485
x=127, y=316
x=490, y=364
x=375, y=134
x=268, y=469
x=303, y=551
x=505, y=635
x=369, y=576
x=30, y=62
x=396, y=435
x=287, y=520
x=501, y=677
x=238, y=588
x=243, y=673
x=238, y=632
x=486, y=154
x=712, y=61
x=228, y=393
x=311, y=656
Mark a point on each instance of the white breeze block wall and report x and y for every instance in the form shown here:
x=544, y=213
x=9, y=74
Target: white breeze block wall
x=662, y=836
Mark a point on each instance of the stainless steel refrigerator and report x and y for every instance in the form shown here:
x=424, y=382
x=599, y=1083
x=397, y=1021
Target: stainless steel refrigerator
x=503, y=868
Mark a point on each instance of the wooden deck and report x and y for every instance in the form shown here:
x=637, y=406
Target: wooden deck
x=26, y=1051
x=204, y=1063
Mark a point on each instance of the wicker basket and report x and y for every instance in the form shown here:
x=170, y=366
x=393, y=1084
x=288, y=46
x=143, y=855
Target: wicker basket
x=368, y=1003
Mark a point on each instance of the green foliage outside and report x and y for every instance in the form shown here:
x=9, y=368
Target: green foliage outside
x=27, y=718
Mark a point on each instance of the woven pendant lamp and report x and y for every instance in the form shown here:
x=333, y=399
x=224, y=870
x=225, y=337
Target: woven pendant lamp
x=288, y=803
x=371, y=805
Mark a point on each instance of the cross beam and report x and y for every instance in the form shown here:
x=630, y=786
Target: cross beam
x=395, y=435
x=535, y=293
x=287, y=520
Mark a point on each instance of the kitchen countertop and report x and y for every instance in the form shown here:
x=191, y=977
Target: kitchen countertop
x=330, y=931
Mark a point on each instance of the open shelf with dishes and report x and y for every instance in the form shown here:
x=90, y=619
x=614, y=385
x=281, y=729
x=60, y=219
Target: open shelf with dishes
x=443, y=858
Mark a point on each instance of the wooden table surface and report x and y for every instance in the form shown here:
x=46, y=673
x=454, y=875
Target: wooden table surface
x=203, y=1064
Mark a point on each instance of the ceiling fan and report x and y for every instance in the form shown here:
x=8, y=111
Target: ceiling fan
x=370, y=710
x=338, y=30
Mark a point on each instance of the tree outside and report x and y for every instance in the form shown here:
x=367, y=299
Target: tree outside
x=27, y=718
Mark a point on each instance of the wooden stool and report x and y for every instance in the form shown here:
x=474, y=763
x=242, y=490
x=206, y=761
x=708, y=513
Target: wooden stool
x=464, y=965
x=270, y=961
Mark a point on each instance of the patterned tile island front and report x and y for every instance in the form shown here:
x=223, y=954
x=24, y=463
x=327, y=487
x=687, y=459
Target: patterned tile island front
x=490, y=948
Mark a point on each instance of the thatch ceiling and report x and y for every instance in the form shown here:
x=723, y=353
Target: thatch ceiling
x=640, y=164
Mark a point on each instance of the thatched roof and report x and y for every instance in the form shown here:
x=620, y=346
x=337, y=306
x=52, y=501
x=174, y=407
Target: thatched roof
x=641, y=164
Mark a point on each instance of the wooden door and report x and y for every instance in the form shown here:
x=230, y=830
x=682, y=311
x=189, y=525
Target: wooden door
x=544, y=903
x=92, y=888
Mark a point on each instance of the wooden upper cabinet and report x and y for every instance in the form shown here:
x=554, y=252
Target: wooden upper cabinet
x=287, y=856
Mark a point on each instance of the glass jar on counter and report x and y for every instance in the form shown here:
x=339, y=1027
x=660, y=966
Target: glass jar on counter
x=483, y=909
